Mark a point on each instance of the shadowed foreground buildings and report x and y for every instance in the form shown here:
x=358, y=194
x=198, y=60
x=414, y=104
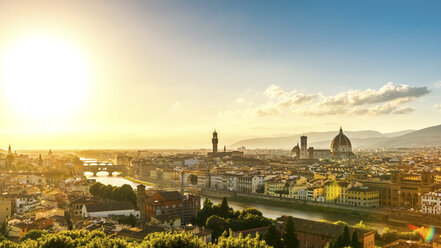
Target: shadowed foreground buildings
x=318, y=234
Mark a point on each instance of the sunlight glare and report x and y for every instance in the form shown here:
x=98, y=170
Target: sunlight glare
x=43, y=77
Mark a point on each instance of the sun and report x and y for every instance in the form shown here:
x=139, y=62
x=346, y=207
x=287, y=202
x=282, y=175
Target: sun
x=43, y=77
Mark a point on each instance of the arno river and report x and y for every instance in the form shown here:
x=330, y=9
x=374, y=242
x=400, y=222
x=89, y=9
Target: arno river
x=274, y=211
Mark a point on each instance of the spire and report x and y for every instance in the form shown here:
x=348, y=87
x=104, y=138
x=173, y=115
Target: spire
x=9, y=149
x=341, y=130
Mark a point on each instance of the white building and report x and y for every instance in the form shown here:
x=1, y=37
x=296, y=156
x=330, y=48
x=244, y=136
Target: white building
x=216, y=182
x=109, y=208
x=257, y=181
x=29, y=178
x=431, y=203
x=26, y=203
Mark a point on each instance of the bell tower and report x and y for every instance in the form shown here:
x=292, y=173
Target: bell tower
x=214, y=140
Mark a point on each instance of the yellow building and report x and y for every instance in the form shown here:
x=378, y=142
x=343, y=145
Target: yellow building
x=5, y=210
x=276, y=187
x=363, y=197
x=335, y=192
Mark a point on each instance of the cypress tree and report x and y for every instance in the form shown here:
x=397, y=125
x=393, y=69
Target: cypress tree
x=290, y=236
x=355, y=243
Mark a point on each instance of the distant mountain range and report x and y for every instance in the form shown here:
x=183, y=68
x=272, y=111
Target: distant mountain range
x=426, y=137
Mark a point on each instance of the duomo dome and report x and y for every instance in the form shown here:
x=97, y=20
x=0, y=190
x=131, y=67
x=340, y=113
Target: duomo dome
x=341, y=144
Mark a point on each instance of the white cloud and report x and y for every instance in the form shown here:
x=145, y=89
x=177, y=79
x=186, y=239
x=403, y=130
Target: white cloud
x=437, y=107
x=389, y=99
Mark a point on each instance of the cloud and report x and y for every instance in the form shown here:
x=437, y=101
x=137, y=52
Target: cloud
x=389, y=99
x=437, y=107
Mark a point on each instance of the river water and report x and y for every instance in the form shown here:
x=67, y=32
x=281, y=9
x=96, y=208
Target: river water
x=274, y=211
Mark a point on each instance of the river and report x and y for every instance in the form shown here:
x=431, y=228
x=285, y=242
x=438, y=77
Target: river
x=274, y=211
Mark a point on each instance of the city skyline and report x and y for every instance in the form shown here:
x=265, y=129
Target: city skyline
x=165, y=74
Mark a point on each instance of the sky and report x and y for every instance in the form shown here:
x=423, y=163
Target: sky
x=165, y=74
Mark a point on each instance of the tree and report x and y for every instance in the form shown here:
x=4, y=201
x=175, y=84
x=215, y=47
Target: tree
x=346, y=237
x=290, y=236
x=230, y=241
x=171, y=240
x=193, y=179
x=224, y=208
x=4, y=229
x=94, y=189
x=33, y=234
x=217, y=224
x=272, y=237
x=206, y=212
x=354, y=242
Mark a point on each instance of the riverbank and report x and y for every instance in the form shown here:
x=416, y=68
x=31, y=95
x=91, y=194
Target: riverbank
x=149, y=184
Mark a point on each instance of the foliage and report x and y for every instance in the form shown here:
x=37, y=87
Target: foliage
x=354, y=240
x=217, y=224
x=221, y=218
x=389, y=235
x=272, y=237
x=341, y=223
x=343, y=240
x=33, y=234
x=129, y=220
x=123, y=193
x=171, y=240
x=289, y=236
x=97, y=239
x=193, y=179
x=239, y=242
x=4, y=229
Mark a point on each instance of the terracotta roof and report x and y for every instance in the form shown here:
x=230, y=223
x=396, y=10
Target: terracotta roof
x=170, y=195
x=109, y=206
x=340, y=141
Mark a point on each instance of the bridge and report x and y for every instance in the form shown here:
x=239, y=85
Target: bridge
x=95, y=167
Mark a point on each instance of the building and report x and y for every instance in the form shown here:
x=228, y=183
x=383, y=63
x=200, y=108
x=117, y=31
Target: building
x=302, y=152
x=169, y=204
x=335, y=191
x=341, y=146
x=244, y=183
x=407, y=188
x=215, y=152
x=362, y=197
x=431, y=203
x=106, y=209
x=315, y=234
x=140, y=201
x=5, y=210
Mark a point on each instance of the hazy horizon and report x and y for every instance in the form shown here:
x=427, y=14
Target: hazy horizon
x=165, y=74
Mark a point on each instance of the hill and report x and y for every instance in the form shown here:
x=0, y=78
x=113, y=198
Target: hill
x=322, y=140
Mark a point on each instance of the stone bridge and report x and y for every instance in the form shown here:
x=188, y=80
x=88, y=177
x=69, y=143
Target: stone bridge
x=106, y=166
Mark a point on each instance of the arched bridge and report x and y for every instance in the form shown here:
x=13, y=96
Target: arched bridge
x=95, y=167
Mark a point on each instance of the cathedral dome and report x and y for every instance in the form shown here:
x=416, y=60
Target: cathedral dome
x=341, y=143
x=296, y=148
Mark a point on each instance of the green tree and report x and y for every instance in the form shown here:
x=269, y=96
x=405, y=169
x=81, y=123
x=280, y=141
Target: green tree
x=354, y=242
x=290, y=236
x=217, y=224
x=33, y=234
x=272, y=237
x=4, y=229
x=230, y=241
x=171, y=240
x=94, y=189
x=346, y=240
x=193, y=179
x=206, y=212
x=224, y=208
